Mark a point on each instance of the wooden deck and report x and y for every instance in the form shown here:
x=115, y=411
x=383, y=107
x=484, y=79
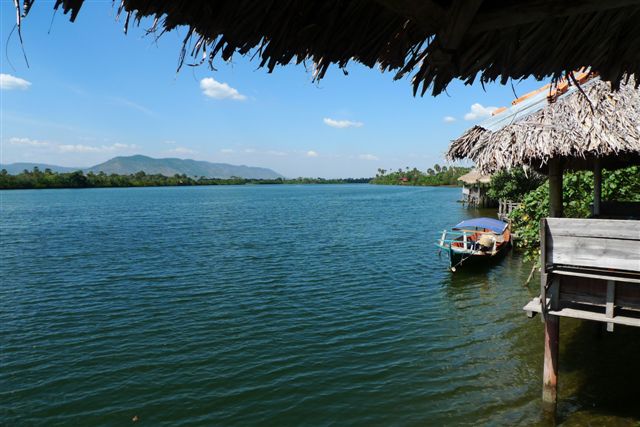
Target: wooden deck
x=590, y=270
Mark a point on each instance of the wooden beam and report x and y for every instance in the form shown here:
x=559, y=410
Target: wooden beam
x=520, y=13
x=555, y=188
x=594, y=275
x=534, y=306
x=623, y=229
x=597, y=187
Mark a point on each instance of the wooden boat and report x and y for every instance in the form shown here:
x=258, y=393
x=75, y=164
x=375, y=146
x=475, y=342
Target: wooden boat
x=475, y=240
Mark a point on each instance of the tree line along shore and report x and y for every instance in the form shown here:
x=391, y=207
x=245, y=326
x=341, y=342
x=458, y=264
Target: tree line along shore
x=37, y=179
x=42, y=179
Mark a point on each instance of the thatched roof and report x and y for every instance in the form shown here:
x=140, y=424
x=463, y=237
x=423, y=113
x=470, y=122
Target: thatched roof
x=474, y=177
x=585, y=123
x=434, y=40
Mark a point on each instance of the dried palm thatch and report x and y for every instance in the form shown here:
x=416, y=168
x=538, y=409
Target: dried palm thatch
x=578, y=127
x=475, y=177
x=435, y=40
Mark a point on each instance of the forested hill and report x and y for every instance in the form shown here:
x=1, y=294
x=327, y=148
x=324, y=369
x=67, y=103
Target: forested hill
x=169, y=167
x=173, y=166
x=433, y=176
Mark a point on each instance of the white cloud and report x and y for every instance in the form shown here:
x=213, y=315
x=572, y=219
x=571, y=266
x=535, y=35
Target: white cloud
x=130, y=104
x=226, y=150
x=478, y=111
x=81, y=148
x=368, y=157
x=341, y=124
x=28, y=141
x=118, y=145
x=181, y=150
x=249, y=150
x=171, y=142
x=214, y=89
x=276, y=153
x=312, y=153
x=9, y=82
x=449, y=119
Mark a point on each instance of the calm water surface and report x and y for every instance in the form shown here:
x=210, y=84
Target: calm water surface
x=277, y=305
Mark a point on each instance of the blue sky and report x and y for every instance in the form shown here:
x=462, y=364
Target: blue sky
x=91, y=93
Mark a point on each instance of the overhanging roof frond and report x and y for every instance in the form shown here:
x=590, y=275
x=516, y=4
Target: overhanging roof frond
x=436, y=41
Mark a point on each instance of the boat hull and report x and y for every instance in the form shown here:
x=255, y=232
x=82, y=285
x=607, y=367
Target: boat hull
x=460, y=259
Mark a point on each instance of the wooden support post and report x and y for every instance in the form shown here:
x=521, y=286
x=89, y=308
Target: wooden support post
x=555, y=188
x=610, y=304
x=597, y=187
x=551, y=323
x=551, y=353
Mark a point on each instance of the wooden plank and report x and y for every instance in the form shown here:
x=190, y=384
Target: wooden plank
x=534, y=306
x=598, y=228
x=594, y=275
x=594, y=252
x=598, y=317
x=610, y=306
x=584, y=290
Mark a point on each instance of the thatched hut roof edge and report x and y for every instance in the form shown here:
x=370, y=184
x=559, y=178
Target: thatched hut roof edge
x=436, y=41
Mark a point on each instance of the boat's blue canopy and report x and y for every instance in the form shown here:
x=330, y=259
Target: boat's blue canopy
x=488, y=223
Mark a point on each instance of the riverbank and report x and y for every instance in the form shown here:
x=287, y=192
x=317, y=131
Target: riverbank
x=36, y=179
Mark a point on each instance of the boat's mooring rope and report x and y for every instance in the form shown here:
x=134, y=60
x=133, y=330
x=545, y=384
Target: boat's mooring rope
x=463, y=259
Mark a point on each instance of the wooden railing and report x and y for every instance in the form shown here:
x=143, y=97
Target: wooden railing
x=590, y=270
x=505, y=207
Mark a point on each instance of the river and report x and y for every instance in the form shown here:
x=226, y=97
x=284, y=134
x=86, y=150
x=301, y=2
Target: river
x=278, y=305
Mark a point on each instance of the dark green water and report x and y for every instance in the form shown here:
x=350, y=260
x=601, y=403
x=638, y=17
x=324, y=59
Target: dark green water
x=277, y=305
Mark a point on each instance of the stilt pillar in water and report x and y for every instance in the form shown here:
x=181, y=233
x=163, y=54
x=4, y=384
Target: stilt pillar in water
x=551, y=323
x=551, y=352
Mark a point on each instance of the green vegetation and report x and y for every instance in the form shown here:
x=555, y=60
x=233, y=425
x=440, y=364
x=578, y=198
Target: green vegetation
x=514, y=184
x=433, y=176
x=620, y=185
x=49, y=179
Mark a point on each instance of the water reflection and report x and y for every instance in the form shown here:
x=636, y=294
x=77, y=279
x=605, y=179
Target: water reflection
x=599, y=374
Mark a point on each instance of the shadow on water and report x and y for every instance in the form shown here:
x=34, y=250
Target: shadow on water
x=601, y=374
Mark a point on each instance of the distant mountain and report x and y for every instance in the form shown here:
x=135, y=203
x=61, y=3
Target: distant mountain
x=16, y=168
x=127, y=165
x=171, y=166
